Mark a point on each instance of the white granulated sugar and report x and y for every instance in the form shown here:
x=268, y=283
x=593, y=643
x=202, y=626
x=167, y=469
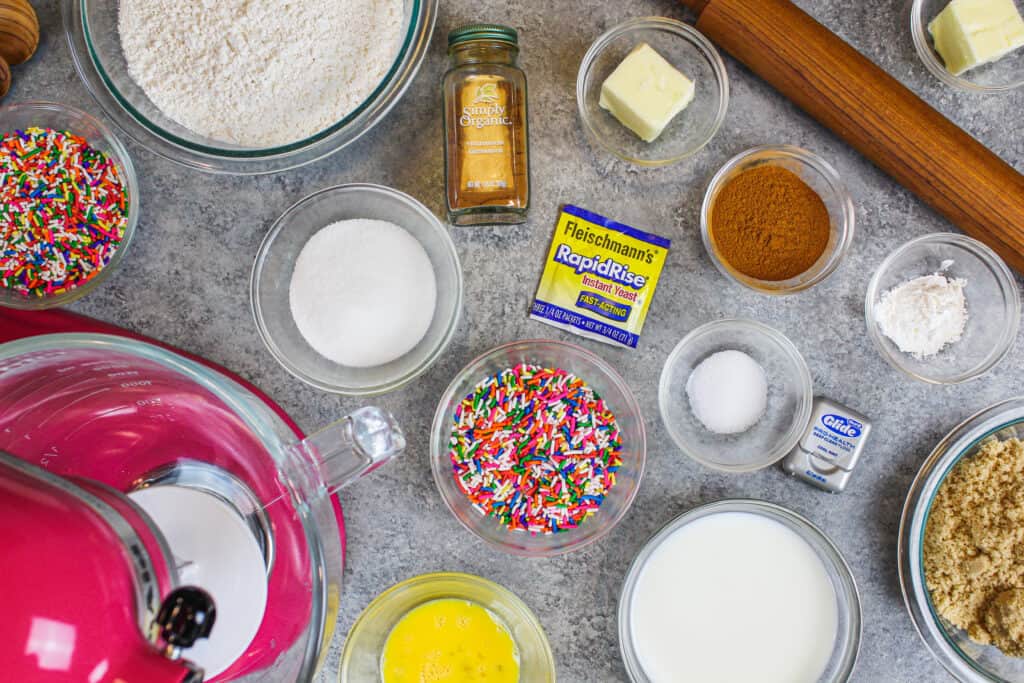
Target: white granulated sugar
x=363, y=292
x=259, y=73
x=923, y=315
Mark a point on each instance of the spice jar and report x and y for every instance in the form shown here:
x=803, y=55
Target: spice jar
x=486, y=162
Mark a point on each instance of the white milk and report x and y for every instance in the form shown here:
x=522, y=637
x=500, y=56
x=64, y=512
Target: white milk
x=734, y=598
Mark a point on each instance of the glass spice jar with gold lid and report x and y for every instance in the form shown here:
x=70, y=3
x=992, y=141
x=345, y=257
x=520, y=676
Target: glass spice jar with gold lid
x=487, y=172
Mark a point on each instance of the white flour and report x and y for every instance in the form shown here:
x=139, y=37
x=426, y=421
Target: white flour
x=923, y=315
x=259, y=73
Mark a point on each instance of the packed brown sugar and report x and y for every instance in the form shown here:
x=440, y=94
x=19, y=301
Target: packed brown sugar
x=974, y=546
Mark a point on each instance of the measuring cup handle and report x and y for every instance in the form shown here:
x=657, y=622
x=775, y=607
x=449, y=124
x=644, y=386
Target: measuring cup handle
x=345, y=451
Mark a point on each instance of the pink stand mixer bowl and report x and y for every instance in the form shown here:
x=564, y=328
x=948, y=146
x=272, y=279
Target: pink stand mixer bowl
x=132, y=415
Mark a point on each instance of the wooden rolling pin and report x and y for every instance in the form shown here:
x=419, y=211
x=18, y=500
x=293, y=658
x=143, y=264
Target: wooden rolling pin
x=876, y=114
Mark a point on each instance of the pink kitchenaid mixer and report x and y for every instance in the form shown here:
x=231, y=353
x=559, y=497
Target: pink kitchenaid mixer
x=128, y=473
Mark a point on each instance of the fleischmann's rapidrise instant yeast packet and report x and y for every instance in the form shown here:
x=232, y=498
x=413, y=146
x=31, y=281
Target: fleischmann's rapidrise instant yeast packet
x=599, y=277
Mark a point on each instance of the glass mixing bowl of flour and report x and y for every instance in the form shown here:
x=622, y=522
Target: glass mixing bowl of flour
x=992, y=303
x=233, y=100
x=965, y=659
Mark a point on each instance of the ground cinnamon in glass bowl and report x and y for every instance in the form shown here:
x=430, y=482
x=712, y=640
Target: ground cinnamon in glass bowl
x=777, y=219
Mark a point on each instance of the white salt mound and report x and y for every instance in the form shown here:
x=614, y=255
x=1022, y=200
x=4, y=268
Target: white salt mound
x=363, y=292
x=259, y=73
x=728, y=392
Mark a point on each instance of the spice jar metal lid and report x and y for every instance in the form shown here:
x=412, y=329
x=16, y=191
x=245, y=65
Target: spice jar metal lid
x=470, y=32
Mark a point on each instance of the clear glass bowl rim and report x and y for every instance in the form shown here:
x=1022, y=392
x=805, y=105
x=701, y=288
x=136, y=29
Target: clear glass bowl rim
x=914, y=520
x=439, y=460
x=847, y=224
x=282, y=223
x=254, y=161
x=833, y=559
x=806, y=401
x=131, y=185
x=676, y=27
x=395, y=593
x=922, y=45
x=992, y=260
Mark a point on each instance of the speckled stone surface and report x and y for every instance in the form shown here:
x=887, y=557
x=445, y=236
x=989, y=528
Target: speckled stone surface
x=186, y=282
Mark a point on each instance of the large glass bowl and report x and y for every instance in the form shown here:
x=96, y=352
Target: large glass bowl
x=968, y=661
x=99, y=136
x=993, y=306
x=68, y=394
x=608, y=385
x=275, y=263
x=361, y=659
x=786, y=416
x=848, y=634
x=94, y=38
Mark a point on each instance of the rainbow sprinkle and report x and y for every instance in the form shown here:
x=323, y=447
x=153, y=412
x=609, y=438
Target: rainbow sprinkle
x=63, y=211
x=535, y=448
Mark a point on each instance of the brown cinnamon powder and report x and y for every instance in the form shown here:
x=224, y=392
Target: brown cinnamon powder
x=769, y=224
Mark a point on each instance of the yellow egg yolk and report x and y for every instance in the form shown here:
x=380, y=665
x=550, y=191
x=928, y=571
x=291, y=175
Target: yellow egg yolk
x=450, y=641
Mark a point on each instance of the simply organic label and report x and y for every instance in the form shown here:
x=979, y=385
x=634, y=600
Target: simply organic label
x=485, y=109
x=599, y=277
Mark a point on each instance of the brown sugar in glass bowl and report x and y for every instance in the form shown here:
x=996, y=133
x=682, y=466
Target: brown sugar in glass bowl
x=777, y=219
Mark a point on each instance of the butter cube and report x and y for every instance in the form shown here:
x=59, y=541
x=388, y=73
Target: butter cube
x=645, y=92
x=968, y=33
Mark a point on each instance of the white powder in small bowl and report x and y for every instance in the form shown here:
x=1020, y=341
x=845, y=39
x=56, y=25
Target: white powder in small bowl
x=728, y=392
x=363, y=292
x=924, y=315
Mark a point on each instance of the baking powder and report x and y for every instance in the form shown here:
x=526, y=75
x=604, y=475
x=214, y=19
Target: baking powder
x=923, y=315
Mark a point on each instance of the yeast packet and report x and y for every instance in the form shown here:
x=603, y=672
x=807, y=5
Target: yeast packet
x=599, y=277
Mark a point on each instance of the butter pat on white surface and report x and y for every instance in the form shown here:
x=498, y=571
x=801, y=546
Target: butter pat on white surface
x=968, y=33
x=645, y=92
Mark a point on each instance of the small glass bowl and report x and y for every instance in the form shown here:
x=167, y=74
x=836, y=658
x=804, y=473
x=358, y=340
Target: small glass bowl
x=364, y=646
x=99, y=136
x=822, y=178
x=686, y=49
x=789, y=396
x=965, y=659
x=272, y=274
x=844, y=654
x=93, y=34
x=1000, y=76
x=608, y=385
x=993, y=306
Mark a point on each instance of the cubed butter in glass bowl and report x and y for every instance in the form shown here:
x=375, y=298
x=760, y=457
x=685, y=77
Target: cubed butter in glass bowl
x=685, y=132
x=969, y=33
x=972, y=45
x=645, y=92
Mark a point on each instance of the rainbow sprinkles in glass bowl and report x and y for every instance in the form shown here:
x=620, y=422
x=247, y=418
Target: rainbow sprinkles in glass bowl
x=536, y=448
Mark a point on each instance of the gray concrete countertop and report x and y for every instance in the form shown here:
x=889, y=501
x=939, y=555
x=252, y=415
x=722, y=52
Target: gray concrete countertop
x=186, y=282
